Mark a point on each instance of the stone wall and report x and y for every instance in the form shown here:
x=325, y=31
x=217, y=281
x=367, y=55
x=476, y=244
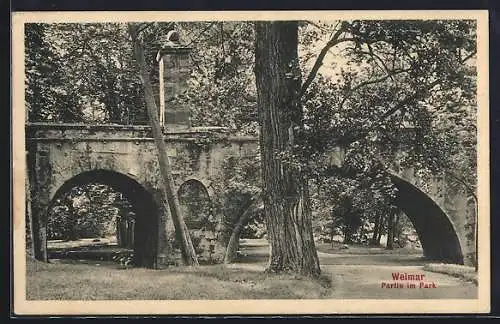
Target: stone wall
x=62, y=152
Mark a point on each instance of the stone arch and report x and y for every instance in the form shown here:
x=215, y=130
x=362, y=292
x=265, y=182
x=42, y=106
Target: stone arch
x=233, y=242
x=435, y=230
x=192, y=205
x=201, y=219
x=146, y=209
x=206, y=184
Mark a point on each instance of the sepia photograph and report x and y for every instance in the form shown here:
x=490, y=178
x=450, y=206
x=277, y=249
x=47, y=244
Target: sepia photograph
x=250, y=162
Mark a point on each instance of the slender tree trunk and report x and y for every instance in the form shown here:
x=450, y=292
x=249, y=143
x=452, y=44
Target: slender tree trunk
x=131, y=235
x=476, y=240
x=347, y=233
x=119, y=234
x=30, y=246
x=38, y=209
x=286, y=196
x=397, y=228
x=71, y=234
x=361, y=233
x=390, y=231
x=187, y=249
x=332, y=228
x=379, y=236
x=40, y=238
x=376, y=231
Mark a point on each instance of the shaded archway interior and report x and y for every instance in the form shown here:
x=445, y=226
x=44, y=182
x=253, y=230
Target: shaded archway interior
x=145, y=207
x=435, y=230
x=196, y=203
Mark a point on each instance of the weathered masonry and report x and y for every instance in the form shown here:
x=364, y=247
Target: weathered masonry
x=124, y=157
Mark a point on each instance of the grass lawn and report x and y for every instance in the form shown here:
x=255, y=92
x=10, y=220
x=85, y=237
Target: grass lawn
x=339, y=248
x=236, y=281
x=106, y=281
x=459, y=271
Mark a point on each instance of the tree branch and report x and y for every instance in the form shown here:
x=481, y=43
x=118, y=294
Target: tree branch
x=318, y=26
x=372, y=53
x=335, y=40
x=464, y=183
x=351, y=137
x=202, y=32
x=140, y=29
x=171, y=201
x=468, y=57
x=368, y=82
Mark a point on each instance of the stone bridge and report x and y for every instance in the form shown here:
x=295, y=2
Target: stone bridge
x=61, y=156
x=124, y=157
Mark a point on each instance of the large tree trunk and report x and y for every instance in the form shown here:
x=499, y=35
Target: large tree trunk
x=187, y=249
x=286, y=197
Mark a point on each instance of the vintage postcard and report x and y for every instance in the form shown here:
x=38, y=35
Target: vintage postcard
x=285, y=162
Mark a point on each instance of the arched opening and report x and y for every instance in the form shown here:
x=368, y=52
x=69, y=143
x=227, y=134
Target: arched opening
x=99, y=204
x=354, y=221
x=435, y=230
x=195, y=204
x=196, y=208
x=249, y=224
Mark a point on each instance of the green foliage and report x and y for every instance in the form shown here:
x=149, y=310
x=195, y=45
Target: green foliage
x=126, y=260
x=256, y=227
x=86, y=72
x=87, y=211
x=48, y=96
x=403, y=86
x=238, y=185
x=222, y=87
x=391, y=95
x=387, y=91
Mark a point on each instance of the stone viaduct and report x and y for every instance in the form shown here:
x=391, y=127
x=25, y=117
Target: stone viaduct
x=61, y=156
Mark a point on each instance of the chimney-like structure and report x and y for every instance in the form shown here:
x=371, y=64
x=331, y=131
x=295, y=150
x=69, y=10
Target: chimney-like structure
x=175, y=70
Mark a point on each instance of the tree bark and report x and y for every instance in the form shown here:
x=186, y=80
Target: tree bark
x=397, y=228
x=375, y=238
x=187, y=249
x=30, y=246
x=332, y=228
x=381, y=229
x=390, y=231
x=38, y=209
x=347, y=233
x=71, y=234
x=287, y=205
x=119, y=233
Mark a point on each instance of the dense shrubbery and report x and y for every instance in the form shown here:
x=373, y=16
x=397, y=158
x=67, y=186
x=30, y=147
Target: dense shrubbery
x=89, y=211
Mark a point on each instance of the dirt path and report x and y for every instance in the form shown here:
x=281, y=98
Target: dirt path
x=361, y=274
x=370, y=276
